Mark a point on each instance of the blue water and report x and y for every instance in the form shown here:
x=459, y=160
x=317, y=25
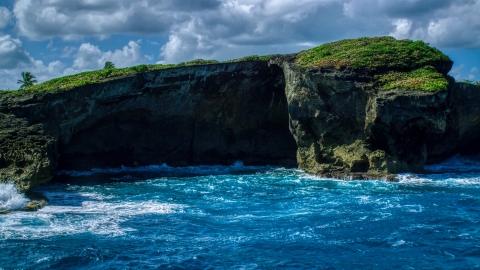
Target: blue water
x=240, y=217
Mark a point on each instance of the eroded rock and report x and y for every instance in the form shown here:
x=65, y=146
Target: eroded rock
x=335, y=122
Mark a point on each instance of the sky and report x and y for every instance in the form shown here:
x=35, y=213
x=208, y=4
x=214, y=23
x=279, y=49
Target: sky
x=54, y=38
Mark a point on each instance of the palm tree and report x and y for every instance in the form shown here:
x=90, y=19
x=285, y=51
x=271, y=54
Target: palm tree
x=28, y=80
x=109, y=65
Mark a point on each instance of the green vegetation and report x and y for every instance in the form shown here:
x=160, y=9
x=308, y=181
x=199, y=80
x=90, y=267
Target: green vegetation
x=477, y=83
x=375, y=54
x=252, y=58
x=28, y=80
x=109, y=72
x=196, y=62
x=426, y=79
x=395, y=63
x=109, y=65
x=392, y=64
x=96, y=76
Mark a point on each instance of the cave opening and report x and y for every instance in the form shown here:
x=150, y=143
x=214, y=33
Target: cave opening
x=219, y=117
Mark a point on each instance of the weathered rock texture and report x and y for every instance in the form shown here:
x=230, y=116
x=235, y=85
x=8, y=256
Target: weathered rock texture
x=331, y=122
x=345, y=128
x=212, y=114
x=464, y=101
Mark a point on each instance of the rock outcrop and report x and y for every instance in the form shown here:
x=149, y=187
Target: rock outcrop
x=332, y=121
x=210, y=114
x=346, y=128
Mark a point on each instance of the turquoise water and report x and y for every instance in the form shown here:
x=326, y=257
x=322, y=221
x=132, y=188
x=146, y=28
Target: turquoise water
x=240, y=217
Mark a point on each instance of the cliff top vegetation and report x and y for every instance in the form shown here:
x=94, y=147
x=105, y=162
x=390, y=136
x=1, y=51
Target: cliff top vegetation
x=394, y=63
x=96, y=76
x=90, y=77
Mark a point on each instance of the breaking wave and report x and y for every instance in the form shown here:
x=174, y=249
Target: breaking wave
x=244, y=217
x=10, y=198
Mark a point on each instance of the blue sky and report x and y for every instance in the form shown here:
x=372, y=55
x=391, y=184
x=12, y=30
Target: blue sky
x=53, y=38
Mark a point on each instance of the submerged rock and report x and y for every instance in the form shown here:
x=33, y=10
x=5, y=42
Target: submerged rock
x=368, y=115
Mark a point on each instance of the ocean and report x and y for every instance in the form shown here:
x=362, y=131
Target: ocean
x=242, y=217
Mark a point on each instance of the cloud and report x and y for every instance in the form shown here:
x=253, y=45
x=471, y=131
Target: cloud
x=224, y=29
x=9, y=77
x=5, y=17
x=402, y=28
x=43, y=19
x=12, y=53
x=473, y=74
x=14, y=59
x=241, y=27
x=230, y=28
x=68, y=51
x=87, y=57
x=90, y=57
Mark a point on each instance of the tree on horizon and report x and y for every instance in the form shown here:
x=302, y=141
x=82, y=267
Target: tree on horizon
x=109, y=65
x=28, y=80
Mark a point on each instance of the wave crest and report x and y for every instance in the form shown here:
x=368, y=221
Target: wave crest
x=10, y=198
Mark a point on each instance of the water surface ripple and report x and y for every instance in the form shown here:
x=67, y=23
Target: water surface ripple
x=240, y=217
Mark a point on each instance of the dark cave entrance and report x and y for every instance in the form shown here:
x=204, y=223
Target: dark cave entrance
x=232, y=115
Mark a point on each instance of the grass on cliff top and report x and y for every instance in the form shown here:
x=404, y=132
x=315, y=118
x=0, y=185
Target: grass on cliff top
x=394, y=63
x=373, y=54
x=90, y=77
x=96, y=76
x=477, y=83
x=424, y=79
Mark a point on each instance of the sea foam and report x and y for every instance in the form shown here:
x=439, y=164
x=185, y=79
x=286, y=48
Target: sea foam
x=10, y=198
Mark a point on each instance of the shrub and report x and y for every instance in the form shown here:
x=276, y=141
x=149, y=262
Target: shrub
x=392, y=63
x=139, y=68
x=426, y=79
x=377, y=54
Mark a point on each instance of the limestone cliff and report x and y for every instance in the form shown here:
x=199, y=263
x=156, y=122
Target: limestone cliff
x=348, y=118
x=210, y=114
x=343, y=125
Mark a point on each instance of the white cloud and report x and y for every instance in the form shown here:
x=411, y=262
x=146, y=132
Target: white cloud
x=43, y=19
x=87, y=57
x=402, y=29
x=90, y=57
x=473, y=74
x=9, y=77
x=5, y=17
x=225, y=29
x=461, y=72
x=12, y=53
x=230, y=28
x=68, y=51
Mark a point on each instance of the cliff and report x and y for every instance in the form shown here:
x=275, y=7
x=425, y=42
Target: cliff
x=208, y=114
x=328, y=110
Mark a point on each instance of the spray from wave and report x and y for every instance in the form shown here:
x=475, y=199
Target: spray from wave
x=10, y=199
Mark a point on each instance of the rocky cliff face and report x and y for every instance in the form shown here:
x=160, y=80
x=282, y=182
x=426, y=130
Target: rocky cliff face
x=464, y=101
x=333, y=122
x=212, y=114
x=345, y=128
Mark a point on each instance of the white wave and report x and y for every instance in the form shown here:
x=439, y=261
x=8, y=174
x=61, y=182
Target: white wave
x=201, y=169
x=95, y=217
x=441, y=180
x=10, y=198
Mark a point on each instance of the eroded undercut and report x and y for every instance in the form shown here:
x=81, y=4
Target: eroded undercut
x=217, y=116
